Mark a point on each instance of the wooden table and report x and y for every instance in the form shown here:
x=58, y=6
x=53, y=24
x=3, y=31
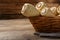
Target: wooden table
x=18, y=29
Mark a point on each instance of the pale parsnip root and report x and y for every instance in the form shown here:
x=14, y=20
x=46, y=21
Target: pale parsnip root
x=40, y=5
x=29, y=10
x=54, y=10
x=58, y=10
x=47, y=12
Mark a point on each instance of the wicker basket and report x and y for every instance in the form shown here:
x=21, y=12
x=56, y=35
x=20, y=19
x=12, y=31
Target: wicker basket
x=46, y=24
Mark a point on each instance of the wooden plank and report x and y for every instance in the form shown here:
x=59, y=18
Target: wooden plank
x=11, y=8
x=19, y=5
x=52, y=4
x=8, y=6
x=53, y=1
x=20, y=1
x=16, y=1
x=16, y=8
x=9, y=11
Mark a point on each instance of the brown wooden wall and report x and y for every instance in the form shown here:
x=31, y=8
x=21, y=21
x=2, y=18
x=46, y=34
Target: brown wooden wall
x=14, y=6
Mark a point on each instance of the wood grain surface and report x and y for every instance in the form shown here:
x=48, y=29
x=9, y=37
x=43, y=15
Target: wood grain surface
x=19, y=29
x=15, y=6
x=46, y=24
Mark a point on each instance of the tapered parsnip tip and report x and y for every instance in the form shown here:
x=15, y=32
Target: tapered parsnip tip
x=40, y=5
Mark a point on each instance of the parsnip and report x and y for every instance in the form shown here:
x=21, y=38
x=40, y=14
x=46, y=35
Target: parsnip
x=54, y=10
x=40, y=5
x=47, y=12
x=58, y=10
x=29, y=10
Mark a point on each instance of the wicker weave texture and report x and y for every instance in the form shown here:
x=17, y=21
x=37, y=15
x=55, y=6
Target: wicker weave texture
x=46, y=24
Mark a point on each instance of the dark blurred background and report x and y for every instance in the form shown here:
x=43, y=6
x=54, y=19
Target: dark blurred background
x=10, y=9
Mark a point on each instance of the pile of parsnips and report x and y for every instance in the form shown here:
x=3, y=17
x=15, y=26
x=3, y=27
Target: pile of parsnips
x=40, y=8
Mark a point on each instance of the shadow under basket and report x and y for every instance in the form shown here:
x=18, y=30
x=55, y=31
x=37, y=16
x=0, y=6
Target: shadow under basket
x=46, y=24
